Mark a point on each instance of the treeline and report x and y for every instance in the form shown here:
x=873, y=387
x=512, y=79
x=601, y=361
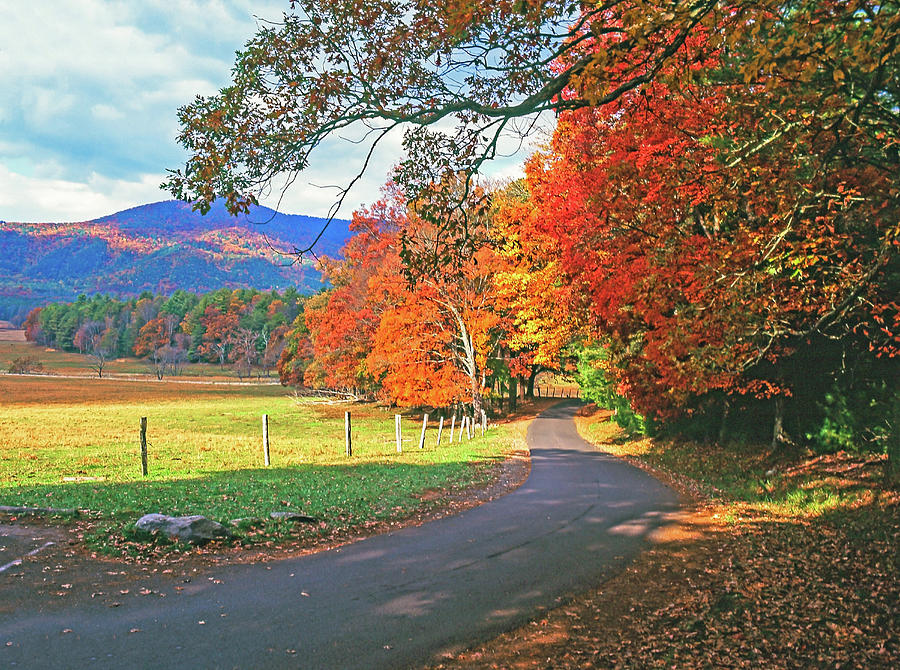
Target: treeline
x=242, y=328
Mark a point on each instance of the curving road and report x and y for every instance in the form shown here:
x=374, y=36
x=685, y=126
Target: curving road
x=391, y=601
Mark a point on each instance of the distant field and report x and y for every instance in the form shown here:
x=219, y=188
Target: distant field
x=13, y=345
x=74, y=443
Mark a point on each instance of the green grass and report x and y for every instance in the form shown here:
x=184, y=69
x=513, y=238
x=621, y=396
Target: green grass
x=749, y=474
x=75, y=444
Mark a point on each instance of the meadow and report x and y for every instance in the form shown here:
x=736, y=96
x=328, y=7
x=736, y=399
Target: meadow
x=55, y=361
x=74, y=443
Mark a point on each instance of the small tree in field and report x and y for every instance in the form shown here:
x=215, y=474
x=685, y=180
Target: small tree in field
x=24, y=365
x=101, y=345
x=243, y=352
x=154, y=342
x=98, y=356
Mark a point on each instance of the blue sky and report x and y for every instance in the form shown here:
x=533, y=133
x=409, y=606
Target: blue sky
x=90, y=91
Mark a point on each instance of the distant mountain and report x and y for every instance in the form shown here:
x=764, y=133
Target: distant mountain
x=159, y=247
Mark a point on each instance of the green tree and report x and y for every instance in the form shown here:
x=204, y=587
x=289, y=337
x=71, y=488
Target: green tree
x=594, y=380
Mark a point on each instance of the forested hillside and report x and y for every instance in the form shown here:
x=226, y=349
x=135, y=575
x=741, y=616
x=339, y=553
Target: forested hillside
x=160, y=247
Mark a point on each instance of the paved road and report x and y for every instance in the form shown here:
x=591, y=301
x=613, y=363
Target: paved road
x=391, y=601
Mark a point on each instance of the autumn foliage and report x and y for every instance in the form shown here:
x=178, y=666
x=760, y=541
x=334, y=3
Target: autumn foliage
x=723, y=225
x=711, y=231
x=423, y=340
x=738, y=242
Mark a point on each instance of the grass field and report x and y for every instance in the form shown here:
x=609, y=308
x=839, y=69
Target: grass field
x=74, y=443
x=13, y=345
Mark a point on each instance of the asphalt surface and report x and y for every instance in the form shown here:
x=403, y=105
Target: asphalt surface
x=391, y=601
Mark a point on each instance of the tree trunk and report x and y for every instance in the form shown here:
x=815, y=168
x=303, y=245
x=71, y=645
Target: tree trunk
x=778, y=428
x=477, y=403
x=532, y=377
x=513, y=394
x=723, y=424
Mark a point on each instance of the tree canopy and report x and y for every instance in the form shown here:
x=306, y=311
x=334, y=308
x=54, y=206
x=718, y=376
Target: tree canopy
x=717, y=209
x=479, y=68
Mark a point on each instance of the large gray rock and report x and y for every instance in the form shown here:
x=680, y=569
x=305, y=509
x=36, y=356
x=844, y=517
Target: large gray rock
x=195, y=529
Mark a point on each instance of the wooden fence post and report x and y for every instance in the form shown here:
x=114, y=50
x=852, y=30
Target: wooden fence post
x=397, y=431
x=440, y=430
x=347, y=439
x=424, y=426
x=144, y=446
x=265, y=425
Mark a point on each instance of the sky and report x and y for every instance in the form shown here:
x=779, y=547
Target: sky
x=89, y=93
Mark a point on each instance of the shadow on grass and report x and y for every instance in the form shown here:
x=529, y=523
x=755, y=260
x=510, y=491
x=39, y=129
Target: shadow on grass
x=339, y=494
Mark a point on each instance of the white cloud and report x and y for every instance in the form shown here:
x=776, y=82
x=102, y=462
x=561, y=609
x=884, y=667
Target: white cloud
x=40, y=199
x=93, y=86
x=90, y=94
x=106, y=113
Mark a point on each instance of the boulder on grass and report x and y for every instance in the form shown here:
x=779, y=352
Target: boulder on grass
x=195, y=529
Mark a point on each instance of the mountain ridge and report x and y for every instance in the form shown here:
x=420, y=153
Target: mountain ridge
x=159, y=247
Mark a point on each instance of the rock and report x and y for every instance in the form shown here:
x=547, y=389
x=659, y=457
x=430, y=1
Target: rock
x=294, y=516
x=195, y=529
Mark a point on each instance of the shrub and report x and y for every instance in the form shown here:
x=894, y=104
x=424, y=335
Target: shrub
x=597, y=388
x=24, y=365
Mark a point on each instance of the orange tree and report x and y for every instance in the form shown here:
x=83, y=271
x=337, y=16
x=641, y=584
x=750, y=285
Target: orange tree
x=154, y=339
x=416, y=340
x=341, y=323
x=543, y=308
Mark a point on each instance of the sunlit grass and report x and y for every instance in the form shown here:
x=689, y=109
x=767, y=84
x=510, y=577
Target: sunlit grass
x=741, y=473
x=73, y=443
